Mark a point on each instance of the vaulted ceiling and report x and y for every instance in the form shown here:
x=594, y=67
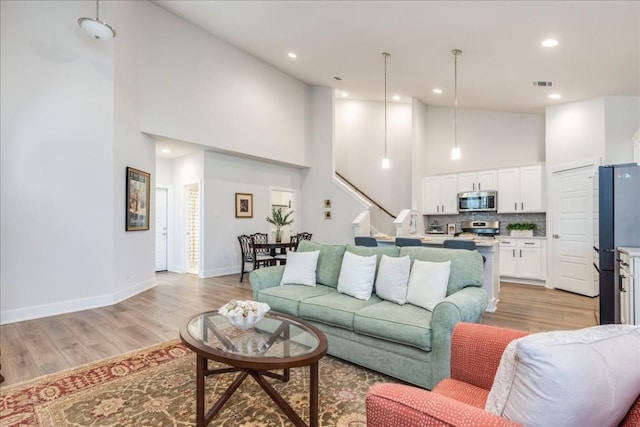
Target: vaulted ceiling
x=598, y=52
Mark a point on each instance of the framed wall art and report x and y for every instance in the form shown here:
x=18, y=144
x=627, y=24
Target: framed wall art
x=244, y=205
x=138, y=199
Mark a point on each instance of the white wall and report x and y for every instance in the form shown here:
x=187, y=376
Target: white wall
x=186, y=170
x=488, y=140
x=575, y=131
x=198, y=88
x=622, y=119
x=418, y=147
x=359, y=148
x=318, y=182
x=64, y=101
x=134, y=258
x=224, y=176
x=601, y=128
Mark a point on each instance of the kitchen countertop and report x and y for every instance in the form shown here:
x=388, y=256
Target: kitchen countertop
x=435, y=239
x=521, y=237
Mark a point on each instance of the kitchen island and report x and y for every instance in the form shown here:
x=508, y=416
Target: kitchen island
x=489, y=248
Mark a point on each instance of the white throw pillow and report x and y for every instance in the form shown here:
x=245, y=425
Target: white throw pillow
x=587, y=377
x=428, y=283
x=357, y=275
x=300, y=268
x=393, y=278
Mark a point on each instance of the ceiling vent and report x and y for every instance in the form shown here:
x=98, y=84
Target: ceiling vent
x=541, y=83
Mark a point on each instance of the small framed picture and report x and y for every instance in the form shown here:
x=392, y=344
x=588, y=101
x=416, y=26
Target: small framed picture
x=327, y=203
x=138, y=199
x=244, y=205
x=327, y=214
x=451, y=229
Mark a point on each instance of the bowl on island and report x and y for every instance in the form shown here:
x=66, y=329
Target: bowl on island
x=244, y=314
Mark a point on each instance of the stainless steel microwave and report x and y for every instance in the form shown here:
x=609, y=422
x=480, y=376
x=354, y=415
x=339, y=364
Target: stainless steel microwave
x=478, y=201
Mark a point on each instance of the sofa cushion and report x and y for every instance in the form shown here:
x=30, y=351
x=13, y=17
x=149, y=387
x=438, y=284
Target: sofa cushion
x=334, y=309
x=569, y=378
x=329, y=261
x=286, y=299
x=392, y=278
x=466, y=266
x=357, y=275
x=300, y=268
x=404, y=324
x=428, y=283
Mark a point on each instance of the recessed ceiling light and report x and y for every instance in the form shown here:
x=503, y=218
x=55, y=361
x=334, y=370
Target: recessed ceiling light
x=345, y=94
x=166, y=150
x=292, y=55
x=550, y=43
x=396, y=97
x=555, y=96
x=438, y=91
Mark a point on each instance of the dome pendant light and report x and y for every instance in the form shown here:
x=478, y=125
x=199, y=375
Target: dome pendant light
x=96, y=28
x=455, y=151
x=385, y=160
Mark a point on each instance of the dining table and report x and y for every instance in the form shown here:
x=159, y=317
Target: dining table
x=274, y=246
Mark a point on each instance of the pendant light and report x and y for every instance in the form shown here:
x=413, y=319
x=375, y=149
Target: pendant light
x=96, y=28
x=385, y=160
x=455, y=151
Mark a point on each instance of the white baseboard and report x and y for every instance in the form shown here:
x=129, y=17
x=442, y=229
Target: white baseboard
x=216, y=272
x=53, y=309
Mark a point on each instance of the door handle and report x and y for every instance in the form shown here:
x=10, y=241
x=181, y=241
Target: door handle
x=515, y=206
x=479, y=185
x=520, y=253
x=557, y=236
x=514, y=253
x=521, y=205
x=474, y=185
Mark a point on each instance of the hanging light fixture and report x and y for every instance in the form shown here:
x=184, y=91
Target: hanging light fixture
x=385, y=160
x=455, y=151
x=96, y=28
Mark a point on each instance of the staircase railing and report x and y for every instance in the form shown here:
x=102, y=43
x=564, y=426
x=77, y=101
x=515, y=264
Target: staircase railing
x=365, y=195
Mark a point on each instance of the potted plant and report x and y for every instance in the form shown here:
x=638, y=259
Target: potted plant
x=521, y=229
x=279, y=220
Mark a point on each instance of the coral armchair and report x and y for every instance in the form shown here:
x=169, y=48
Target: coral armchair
x=476, y=351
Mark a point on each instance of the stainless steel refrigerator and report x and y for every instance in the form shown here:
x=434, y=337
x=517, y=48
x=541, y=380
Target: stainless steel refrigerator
x=619, y=225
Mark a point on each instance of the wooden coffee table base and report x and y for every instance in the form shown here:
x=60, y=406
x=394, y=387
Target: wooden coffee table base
x=204, y=418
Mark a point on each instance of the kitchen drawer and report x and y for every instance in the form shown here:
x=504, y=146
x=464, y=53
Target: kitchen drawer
x=508, y=243
x=529, y=243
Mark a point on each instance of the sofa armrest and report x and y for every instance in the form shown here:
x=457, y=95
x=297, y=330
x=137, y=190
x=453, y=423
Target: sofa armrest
x=264, y=278
x=466, y=305
x=400, y=405
x=476, y=351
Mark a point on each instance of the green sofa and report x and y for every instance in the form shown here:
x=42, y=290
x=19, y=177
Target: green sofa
x=406, y=342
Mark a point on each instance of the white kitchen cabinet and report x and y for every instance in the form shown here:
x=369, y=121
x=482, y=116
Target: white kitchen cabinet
x=521, y=189
x=478, y=181
x=522, y=258
x=440, y=195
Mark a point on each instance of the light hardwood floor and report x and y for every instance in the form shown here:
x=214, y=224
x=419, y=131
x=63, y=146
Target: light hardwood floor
x=37, y=347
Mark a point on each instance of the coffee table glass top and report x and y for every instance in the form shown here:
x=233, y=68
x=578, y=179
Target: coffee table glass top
x=275, y=336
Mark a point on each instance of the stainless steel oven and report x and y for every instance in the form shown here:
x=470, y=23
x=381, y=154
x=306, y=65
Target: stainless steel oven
x=474, y=201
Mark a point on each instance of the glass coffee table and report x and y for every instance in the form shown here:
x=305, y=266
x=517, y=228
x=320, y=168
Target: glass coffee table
x=278, y=341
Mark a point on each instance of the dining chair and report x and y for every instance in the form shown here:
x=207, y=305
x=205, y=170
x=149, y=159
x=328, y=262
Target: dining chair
x=262, y=238
x=407, y=241
x=304, y=236
x=249, y=257
x=365, y=241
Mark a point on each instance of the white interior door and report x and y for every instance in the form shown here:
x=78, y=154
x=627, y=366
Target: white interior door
x=572, y=231
x=192, y=192
x=161, y=229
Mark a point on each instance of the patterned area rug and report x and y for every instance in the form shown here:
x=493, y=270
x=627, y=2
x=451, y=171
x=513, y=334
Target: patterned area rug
x=156, y=387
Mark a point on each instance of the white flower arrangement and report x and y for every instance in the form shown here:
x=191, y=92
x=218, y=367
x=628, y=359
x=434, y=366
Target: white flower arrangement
x=244, y=314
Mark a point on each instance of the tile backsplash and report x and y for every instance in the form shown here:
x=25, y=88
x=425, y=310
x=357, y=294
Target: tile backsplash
x=539, y=219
